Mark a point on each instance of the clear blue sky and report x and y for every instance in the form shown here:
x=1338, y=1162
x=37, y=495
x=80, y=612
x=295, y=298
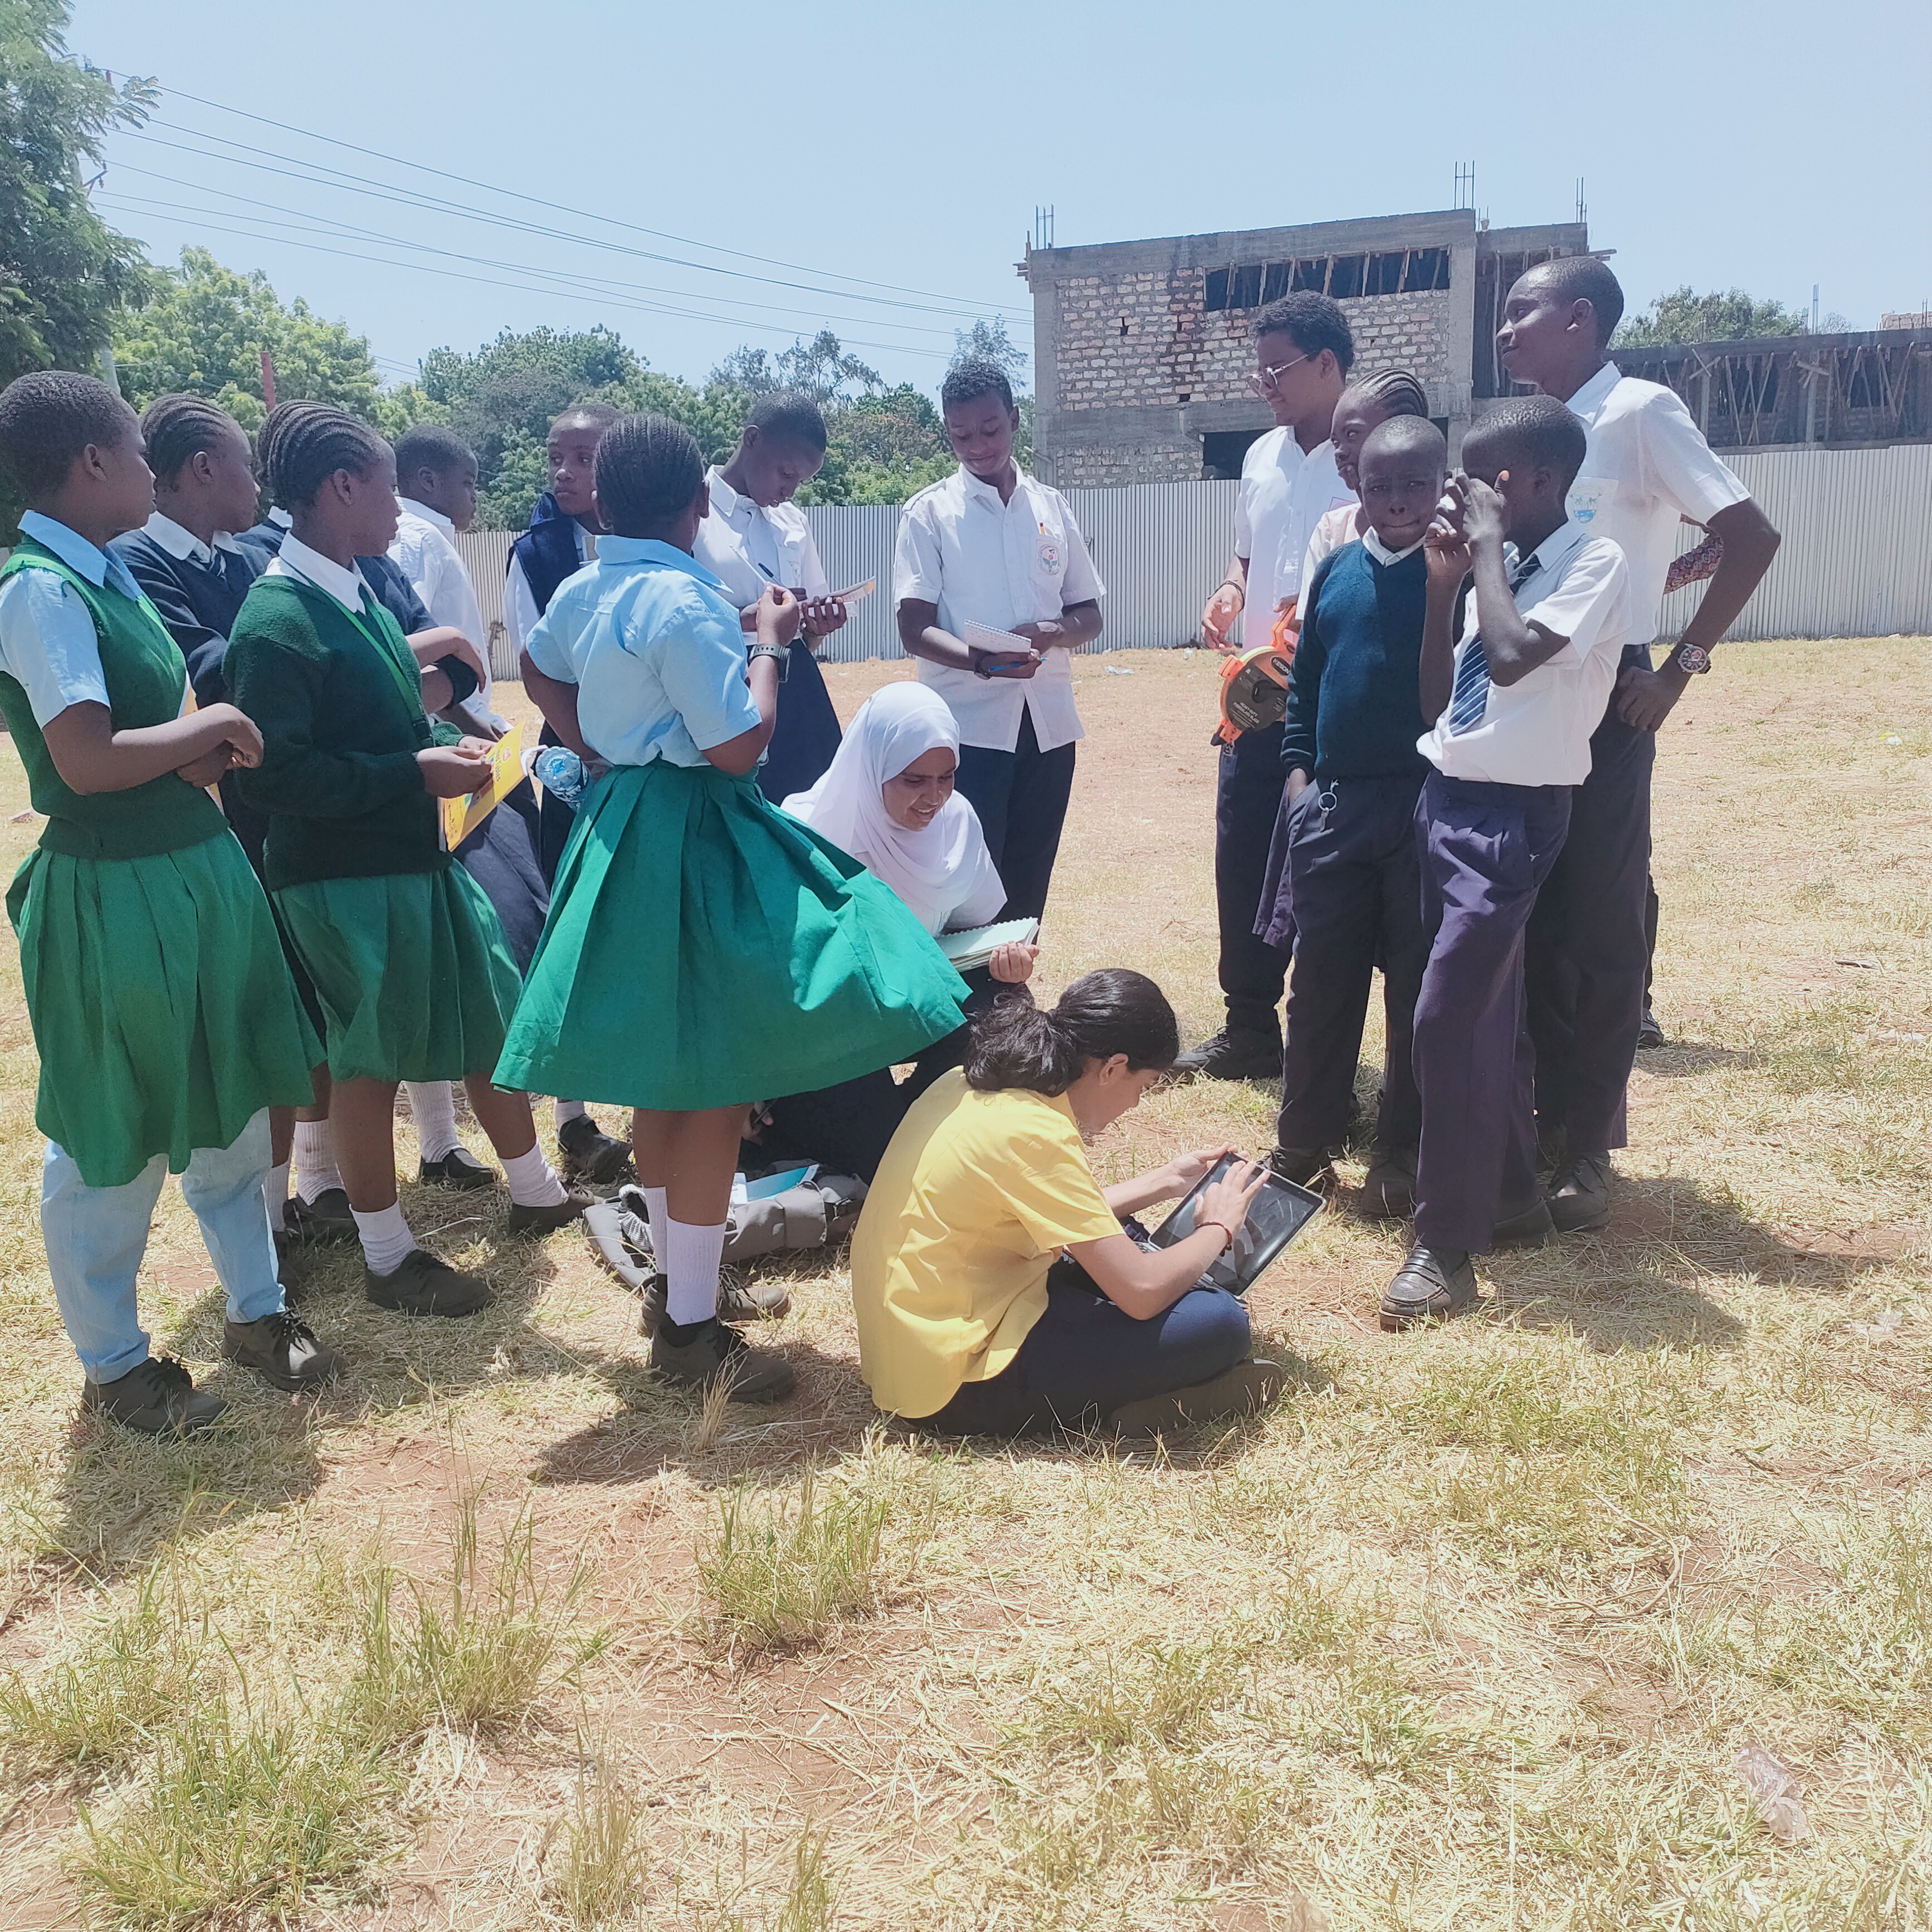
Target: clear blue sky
x=1768, y=146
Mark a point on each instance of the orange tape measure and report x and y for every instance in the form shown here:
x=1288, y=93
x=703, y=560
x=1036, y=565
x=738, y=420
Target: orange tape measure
x=1254, y=690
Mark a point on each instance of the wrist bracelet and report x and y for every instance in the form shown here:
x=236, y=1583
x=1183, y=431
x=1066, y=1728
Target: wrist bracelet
x=1231, y=1235
x=1229, y=583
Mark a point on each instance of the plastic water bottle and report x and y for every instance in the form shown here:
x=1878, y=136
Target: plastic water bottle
x=561, y=773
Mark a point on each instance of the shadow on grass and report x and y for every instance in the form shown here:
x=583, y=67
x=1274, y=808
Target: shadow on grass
x=1687, y=1059
x=1643, y=1281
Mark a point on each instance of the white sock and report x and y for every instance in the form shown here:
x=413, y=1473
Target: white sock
x=533, y=1181
x=316, y=1171
x=432, y=1109
x=691, y=1265
x=659, y=1211
x=567, y=1111
x=275, y=1193
x=387, y=1242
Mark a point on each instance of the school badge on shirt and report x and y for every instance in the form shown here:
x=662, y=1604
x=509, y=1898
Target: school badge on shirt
x=1052, y=558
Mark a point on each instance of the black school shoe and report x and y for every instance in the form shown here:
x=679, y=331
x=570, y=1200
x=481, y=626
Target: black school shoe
x=701, y=1353
x=589, y=1153
x=425, y=1285
x=1247, y=1386
x=1650, y=1030
x=1581, y=1198
x=328, y=1218
x=1530, y=1227
x=1432, y=1285
x=1234, y=1054
x=1388, y=1188
x=1306, y=1167
x=546, y=1220
x=280, y=1349
x=459, y=1167
x=159, y=1398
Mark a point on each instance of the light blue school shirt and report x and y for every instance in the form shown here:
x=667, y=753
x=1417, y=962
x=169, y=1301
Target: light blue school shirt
x=47, y=640
x=653, y=644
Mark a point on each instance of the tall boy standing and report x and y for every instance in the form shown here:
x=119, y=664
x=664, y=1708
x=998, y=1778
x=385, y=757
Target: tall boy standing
x=990, y=545
x=1647, y=469
x=1512, y=706
x=1302, y=355
x=1354, y=771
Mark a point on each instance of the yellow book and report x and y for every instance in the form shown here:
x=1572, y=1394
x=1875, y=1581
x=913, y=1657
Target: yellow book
x=461, y=816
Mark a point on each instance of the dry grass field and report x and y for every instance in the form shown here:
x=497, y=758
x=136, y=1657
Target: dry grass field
x=1467, y=1632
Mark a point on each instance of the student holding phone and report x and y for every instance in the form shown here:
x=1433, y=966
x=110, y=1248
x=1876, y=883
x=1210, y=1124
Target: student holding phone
x=968, y=1321
x=991, y=550
x=756, y=536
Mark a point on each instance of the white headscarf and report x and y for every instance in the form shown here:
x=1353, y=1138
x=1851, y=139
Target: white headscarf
x=944, y=873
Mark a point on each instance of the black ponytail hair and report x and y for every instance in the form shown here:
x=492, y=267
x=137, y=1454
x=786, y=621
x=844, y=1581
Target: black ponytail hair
x=1045, y=1050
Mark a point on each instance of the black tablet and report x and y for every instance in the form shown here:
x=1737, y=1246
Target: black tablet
x=1276, y=1216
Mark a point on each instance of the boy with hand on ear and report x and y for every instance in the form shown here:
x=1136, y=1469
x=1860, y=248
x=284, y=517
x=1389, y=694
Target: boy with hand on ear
x=1511, y=707
x=992, y=546
x=1646, y=470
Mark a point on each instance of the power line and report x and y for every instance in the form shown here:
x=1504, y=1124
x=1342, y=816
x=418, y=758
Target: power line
x=961, y=305
x=595, y=284
x=487, y=281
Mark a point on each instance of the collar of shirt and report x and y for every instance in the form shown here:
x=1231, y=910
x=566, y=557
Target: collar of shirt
x=281, y=517
x=737, y=510
x=297, y=559
x=98, y=566
x=1381, y=552
x=435, y=519
x=977, y=490
x=1592, y=396
x=1552, y=554
x=649, y=550
x=182, y=543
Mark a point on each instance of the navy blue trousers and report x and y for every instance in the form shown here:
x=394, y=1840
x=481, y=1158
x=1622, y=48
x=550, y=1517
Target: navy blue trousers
x=1020, y=797
x=1356, y=878
x=1084, y=1358
x=1590, y=941
x=1486, y=850
x=1247, y=796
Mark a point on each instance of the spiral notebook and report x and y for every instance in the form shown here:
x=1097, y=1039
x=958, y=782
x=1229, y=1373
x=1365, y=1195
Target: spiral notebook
x=976, y=944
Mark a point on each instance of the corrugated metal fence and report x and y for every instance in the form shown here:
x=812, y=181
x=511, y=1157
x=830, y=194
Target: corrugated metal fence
x=1856, y=560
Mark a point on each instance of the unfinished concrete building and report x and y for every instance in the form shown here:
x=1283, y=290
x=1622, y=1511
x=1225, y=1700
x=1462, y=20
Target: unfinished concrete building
x=1142, y=350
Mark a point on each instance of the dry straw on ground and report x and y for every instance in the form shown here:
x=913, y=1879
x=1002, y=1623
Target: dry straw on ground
x=1469, y=1632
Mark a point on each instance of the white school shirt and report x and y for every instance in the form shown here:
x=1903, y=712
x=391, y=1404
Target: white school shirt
x=1536, y=731
x=1646, y=469
x=48, y=643
x=1284, y=494
x=348, y=587
x=984, y=562
x=181, y=543
x=746, y=546
x=520, y=605
x=425, y=548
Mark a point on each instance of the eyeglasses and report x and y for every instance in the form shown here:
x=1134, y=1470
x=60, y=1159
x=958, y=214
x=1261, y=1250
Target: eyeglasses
x=1266, y=381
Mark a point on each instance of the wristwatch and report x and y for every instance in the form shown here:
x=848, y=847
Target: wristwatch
x=779, y=654
x=1694, y=658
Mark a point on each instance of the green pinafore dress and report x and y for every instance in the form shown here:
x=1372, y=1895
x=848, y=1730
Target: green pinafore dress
x=161, y=1005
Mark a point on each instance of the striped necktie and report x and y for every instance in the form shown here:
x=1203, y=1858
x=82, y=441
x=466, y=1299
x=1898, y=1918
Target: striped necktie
x=1471, y=697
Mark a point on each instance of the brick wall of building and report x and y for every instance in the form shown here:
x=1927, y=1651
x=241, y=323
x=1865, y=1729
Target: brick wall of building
x=1144, y=340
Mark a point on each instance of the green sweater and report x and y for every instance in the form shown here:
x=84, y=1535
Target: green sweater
x=339, y=706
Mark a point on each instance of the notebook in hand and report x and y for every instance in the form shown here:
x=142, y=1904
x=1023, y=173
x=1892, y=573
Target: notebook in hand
x=977, y=944
x=461, y=816
x=1276, y=1216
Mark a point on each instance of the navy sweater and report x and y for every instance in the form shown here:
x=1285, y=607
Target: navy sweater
x=1354, y=694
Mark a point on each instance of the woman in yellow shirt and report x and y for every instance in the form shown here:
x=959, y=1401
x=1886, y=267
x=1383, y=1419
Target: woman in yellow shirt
x=964, y=1320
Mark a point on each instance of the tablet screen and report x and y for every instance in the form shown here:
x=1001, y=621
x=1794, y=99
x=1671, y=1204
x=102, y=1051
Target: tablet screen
x=1276, y=1216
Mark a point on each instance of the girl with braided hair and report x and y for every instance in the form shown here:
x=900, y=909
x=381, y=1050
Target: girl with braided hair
x=704, y=950
x=409, y=961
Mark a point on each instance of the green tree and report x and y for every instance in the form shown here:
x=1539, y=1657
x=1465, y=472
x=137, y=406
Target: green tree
x=64, y=273
x=989, y=342
x=1682, y=316
x=205, y=329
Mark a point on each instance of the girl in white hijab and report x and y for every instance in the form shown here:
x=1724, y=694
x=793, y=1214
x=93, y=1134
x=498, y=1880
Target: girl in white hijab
x=888, y=799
